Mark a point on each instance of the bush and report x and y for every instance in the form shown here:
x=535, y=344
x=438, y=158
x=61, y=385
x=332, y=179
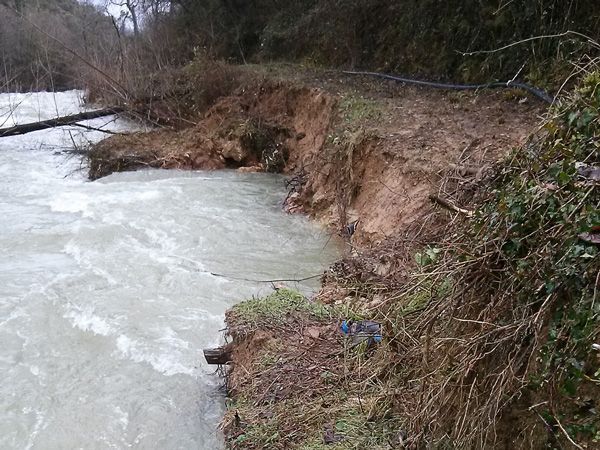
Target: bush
x=511, y=307
x=424, y=37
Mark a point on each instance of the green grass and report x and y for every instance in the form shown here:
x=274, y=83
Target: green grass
x=355, y=108
x=275, y=309
x=355, y=430
x=345, y=417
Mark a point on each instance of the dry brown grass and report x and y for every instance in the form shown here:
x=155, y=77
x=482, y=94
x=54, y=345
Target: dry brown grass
x=502, y=315
x=488, y=333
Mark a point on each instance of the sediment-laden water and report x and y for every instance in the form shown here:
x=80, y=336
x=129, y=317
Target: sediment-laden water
x=106, y=291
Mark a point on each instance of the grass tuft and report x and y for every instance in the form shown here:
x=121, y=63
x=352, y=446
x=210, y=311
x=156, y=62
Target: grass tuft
x=275, y=309
x=356, y=109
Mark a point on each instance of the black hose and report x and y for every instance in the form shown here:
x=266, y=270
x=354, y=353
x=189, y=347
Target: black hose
x=539, y=93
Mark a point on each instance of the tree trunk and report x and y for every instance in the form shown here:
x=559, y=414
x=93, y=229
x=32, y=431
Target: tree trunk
x=134, y=18
x=57, y=122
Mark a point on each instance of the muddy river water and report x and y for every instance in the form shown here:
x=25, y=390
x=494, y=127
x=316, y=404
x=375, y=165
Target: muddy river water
x=106, y=291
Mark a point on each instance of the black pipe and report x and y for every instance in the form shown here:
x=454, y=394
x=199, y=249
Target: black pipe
x=539, y=93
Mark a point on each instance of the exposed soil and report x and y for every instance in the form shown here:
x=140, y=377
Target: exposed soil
x=265, y=127
x=355, y=151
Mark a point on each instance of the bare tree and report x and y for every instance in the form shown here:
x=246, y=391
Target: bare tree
x=129, y=10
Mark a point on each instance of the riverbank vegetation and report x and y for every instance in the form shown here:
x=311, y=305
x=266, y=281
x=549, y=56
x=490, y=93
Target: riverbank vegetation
x=127, y=56
x=426, y=38
x=38, y=41
x=536, y=42
x=503, y=335
x=490, y=336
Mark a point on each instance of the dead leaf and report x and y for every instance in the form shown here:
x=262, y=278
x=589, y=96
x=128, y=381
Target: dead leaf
x=313, y=332
x=592, y=238
x=589, y=172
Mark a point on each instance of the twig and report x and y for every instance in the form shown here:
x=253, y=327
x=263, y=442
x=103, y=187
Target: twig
x=534, y=38
x=281, y=280
x=567, y=434
x=595, y=291
x=446, y=204
x=87, y=127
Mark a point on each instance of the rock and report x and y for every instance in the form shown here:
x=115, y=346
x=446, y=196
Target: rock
x=313, y=332
x=330, y=436
x=588, y=172
x=232, y=150
x=251, y=169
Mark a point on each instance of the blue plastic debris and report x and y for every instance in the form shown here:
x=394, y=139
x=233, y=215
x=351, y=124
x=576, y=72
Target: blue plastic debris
x=345, y=327
x=362, y=331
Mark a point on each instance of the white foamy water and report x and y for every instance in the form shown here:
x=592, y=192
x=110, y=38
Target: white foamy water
x=106, y=292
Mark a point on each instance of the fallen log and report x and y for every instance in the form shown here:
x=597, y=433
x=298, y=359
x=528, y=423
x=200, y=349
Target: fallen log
x=58, y=122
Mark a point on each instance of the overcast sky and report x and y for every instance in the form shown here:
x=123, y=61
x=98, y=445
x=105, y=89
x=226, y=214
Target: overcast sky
x=102, y=4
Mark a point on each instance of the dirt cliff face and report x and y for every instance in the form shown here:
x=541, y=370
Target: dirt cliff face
x=267, y=126
x=353, y=149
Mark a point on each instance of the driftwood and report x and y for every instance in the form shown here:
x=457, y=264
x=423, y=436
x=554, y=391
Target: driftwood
x=219, y=355
x=57, y=122
x=448, y=205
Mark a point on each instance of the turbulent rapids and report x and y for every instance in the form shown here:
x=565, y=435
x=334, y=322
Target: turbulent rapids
x=106, y=289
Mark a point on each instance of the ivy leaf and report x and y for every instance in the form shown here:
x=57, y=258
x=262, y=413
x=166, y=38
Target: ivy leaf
x=573, y=116
x=570, y=387
x=563, y=178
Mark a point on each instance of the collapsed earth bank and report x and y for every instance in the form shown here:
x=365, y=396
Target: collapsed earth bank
x=369, y=155
x=352, y=149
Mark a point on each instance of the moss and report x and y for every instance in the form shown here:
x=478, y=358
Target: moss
x=275, y=309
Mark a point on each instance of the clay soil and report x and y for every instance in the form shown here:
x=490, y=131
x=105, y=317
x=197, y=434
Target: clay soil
x=355, y=148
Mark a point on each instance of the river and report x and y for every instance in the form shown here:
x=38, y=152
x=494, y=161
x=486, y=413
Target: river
x=106, y=292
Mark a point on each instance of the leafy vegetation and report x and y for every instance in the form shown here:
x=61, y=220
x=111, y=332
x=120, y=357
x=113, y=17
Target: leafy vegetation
x=518, y=326
x=425, y=38
x=409, y=36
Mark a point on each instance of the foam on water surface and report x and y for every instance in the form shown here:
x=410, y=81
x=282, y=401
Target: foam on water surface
x=107, y=296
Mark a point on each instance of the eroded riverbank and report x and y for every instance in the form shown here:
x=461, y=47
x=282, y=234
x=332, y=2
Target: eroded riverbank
x=352, y=148
x=355, y=152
